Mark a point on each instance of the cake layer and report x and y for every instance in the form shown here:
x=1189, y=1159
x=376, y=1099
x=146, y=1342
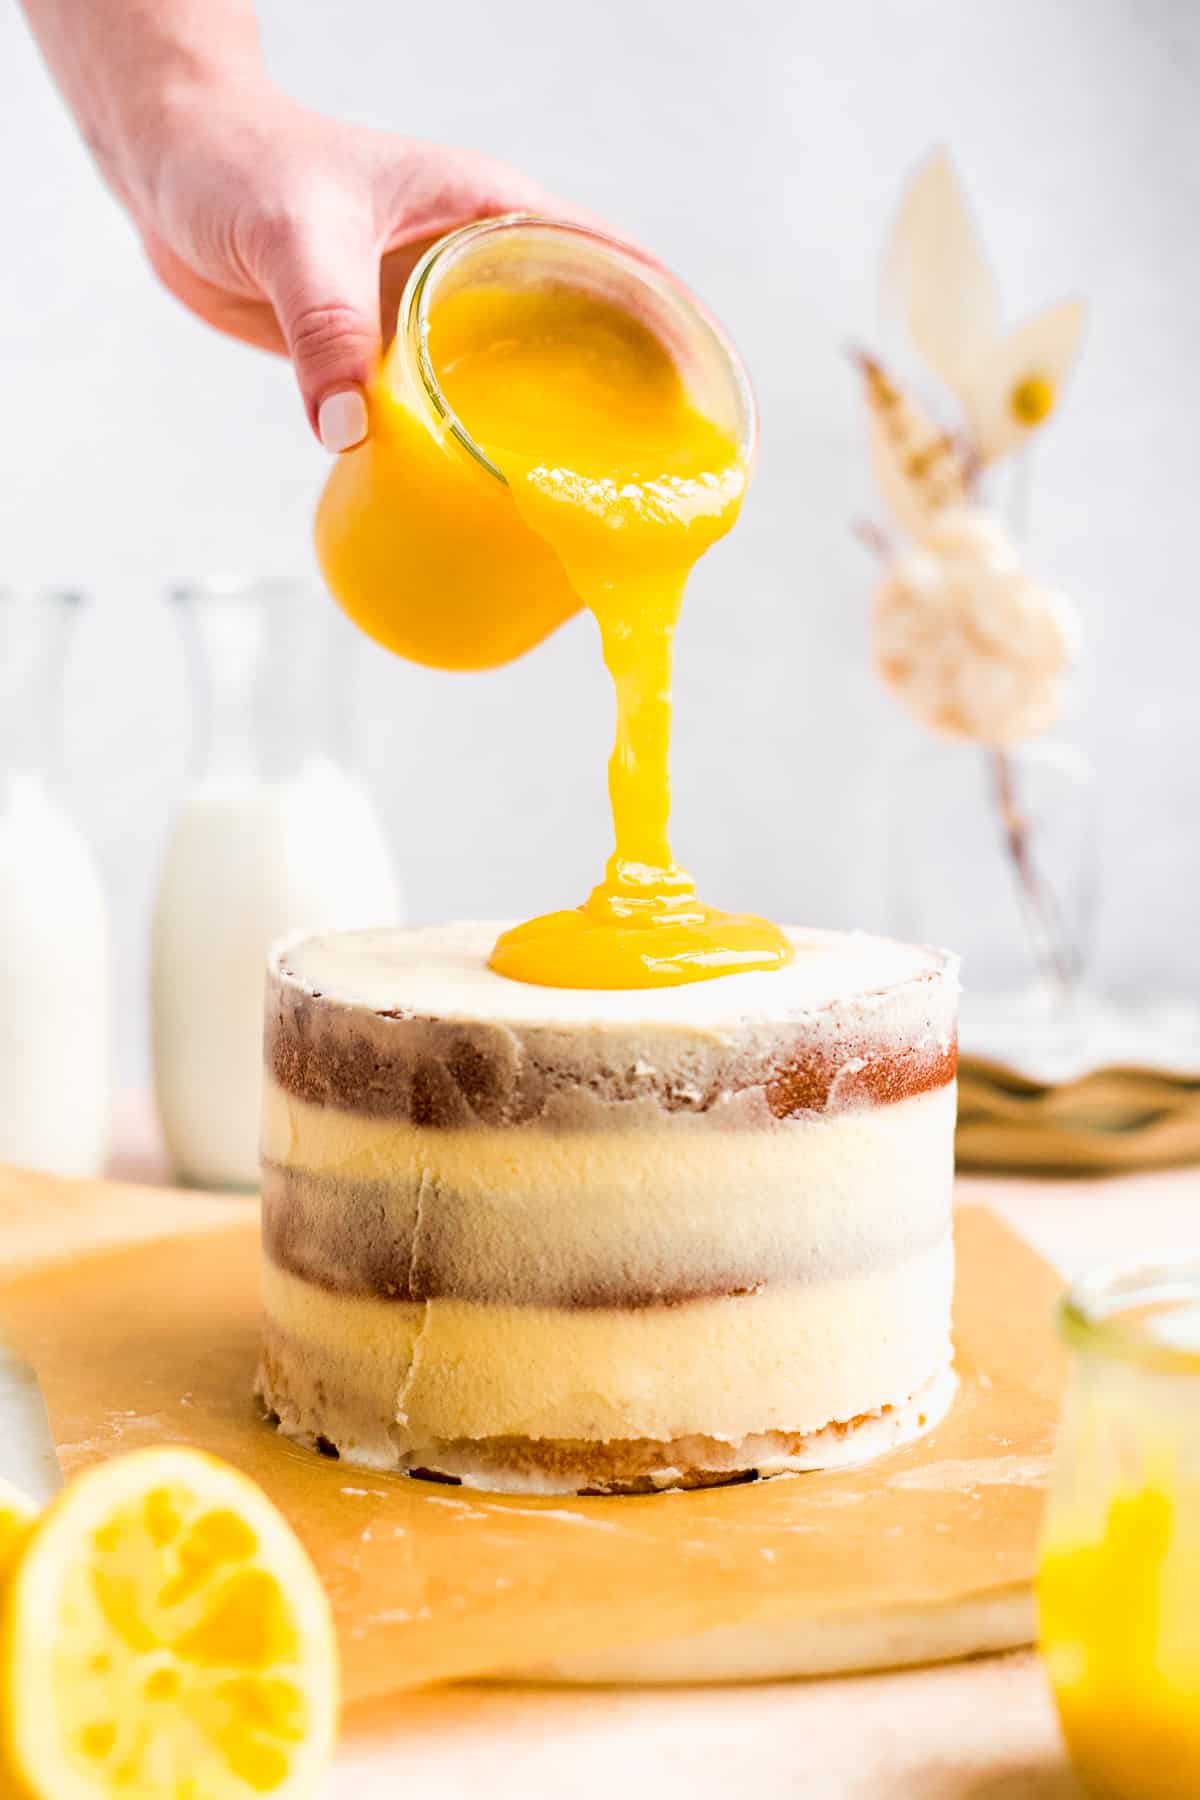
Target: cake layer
x=658, y=1207
x=386, y=1382
x=413, y=1025
x=636, y=1465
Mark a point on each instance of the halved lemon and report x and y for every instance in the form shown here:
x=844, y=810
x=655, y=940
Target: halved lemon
x=165, y=1637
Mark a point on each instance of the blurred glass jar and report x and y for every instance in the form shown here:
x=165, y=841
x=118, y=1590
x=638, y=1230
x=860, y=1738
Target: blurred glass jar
x=1119, y=1587
x=274, y=836
x=55, y=935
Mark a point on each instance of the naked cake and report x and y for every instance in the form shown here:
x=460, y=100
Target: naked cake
x=563, y=1240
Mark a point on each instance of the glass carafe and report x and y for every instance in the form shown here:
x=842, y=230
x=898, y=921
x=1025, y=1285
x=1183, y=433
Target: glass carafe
x=274, y=836
x=55, y=935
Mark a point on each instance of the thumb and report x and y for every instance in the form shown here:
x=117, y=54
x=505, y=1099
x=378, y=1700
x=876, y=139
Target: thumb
x=326, y=299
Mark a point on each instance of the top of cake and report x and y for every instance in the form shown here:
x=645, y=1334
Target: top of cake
x=412, y=1024
x=441, y=972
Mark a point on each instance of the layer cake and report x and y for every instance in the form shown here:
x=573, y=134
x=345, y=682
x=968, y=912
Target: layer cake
x=552, y=1240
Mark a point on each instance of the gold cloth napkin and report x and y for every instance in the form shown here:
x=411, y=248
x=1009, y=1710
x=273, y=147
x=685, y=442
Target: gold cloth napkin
x=1105, y=1121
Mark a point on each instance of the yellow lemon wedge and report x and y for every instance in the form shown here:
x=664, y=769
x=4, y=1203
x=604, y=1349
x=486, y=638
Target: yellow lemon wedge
x=165, y=1637
x=17, y=1513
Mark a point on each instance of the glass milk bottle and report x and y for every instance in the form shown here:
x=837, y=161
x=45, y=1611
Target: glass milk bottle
x=275, y=836
x=55, y=937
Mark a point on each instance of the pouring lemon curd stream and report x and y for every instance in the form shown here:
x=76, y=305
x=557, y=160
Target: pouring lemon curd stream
x=623, y=484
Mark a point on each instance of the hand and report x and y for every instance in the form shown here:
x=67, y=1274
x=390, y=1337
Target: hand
x=296, y=233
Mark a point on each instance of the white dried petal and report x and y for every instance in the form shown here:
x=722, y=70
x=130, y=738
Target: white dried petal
x=1043, y=350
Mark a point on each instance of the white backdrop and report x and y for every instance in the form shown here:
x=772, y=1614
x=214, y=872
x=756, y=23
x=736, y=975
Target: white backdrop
x=759, y=148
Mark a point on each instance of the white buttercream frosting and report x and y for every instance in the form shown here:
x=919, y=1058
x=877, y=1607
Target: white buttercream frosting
x=441, y=972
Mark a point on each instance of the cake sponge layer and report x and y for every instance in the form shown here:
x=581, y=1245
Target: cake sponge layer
x=388, y=1382
x=673, y=1207
x=412, y=1024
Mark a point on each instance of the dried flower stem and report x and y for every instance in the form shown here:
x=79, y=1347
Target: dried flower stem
x=873, y=537
x=1048, y=935
x=1053, y=952
x=1043, y=916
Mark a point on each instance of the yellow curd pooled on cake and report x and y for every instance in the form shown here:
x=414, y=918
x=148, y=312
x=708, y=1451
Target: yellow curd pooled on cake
x=540, y=1238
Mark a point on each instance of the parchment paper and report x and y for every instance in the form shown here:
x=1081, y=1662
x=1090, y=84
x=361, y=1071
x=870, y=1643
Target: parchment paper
x=138, y=1311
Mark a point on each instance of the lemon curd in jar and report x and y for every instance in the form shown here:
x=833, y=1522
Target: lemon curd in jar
x=1119, y=1588
x=547, y=451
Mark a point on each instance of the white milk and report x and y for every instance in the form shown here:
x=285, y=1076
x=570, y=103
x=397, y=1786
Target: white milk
x=55, y=987
x=249, y=861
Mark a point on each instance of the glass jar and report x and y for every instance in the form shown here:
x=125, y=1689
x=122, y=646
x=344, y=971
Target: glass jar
x=417, y=532
x=1119, y=1587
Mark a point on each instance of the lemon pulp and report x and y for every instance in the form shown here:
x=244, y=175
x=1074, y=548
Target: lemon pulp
x=166, y=1635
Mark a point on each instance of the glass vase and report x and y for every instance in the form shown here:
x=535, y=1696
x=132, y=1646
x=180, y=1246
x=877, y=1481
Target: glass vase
x=994, y=854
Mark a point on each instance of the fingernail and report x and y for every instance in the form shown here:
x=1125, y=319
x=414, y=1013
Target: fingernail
x=342, y=420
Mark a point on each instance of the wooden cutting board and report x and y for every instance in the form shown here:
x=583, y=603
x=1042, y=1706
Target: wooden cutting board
x=138, y=1310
